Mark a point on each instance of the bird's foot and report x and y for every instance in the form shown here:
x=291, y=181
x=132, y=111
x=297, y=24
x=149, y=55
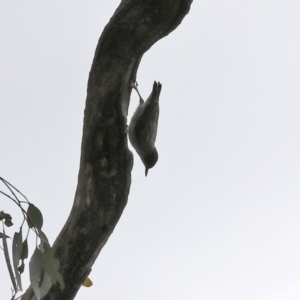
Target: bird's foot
x=134, y=85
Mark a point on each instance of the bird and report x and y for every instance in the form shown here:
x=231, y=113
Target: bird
x=143, y=126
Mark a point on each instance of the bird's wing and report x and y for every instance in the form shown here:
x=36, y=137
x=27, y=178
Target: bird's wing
x=149, y=128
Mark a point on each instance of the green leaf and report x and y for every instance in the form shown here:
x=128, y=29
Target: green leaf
x=21, y=267
x=43, y=269
x=24, y=254
x=35, y=217
x=51, y=265
x=2, y=215
x=17, y=252
x=46, y=285
x=35, y=270
x=1, y=235
x=43, y=237
x=7, y=218
x=7, y=260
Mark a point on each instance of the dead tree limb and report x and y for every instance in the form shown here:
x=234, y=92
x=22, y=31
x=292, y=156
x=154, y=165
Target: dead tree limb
x=105, y=166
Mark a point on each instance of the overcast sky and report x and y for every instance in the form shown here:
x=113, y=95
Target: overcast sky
x=218, y=216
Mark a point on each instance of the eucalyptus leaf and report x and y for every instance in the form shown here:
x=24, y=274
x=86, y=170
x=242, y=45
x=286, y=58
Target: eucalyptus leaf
x=44, y=271
x=46, y=285
x=7, y=260
x=17, y=252
x=21, y=267
x=35, y=216
x=1, y=235
x=43, y=237
x=2, y=215
x=24, y=250
x=51, y=265
x=35, y=270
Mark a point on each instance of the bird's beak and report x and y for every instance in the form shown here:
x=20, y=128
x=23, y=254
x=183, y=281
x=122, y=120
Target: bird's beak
x=146, y=171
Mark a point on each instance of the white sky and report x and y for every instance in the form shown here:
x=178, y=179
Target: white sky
x=218, y=216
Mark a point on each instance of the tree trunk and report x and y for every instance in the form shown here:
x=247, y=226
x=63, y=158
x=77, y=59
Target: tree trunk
x=105, y=166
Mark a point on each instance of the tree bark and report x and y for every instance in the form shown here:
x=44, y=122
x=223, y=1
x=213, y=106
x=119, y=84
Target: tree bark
x=105, y=166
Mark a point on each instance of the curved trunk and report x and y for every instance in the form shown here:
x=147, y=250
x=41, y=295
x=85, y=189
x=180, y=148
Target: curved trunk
x=105, y=166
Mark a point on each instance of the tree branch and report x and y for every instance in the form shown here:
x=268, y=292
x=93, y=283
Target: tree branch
x=105, y=167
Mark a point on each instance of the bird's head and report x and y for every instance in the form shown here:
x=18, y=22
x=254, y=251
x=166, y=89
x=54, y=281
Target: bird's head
x=150, y=160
